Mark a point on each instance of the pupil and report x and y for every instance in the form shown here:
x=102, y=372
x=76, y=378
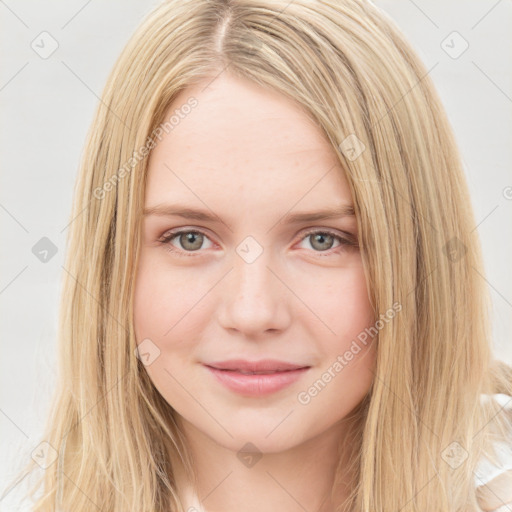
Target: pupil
x=189, y=237
x=321, y=239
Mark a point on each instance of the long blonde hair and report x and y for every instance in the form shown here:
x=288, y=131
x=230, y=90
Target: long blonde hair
x=350, y=69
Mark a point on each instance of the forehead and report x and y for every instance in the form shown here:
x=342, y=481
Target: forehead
x=244, y=146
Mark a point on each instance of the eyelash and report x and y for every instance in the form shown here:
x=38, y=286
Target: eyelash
x=345, y=243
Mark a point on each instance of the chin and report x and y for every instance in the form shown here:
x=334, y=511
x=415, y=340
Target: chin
x=270, y=436
x=244, y=440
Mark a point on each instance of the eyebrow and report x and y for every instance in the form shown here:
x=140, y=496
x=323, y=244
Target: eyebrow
x=344, y=210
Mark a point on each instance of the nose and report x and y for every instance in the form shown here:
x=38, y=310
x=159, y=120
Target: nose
x=254, y=297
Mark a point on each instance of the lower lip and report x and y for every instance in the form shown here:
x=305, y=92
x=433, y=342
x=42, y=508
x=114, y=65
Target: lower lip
x=257, y=385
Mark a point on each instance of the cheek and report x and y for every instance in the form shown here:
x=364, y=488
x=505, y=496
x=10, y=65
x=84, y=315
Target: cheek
x=349, y=354
x=343, y=305
x=348, y=317
x=159, y=301
x=168, y=309
x=353, y=356
x=149, y=304
x=159, y=304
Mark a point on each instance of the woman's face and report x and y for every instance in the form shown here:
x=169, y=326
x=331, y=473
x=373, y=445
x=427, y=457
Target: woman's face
x=252, y=283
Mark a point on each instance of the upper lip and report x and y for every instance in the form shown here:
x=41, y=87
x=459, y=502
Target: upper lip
x=256, y=366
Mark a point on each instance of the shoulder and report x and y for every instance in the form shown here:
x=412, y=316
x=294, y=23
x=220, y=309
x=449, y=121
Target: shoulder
x=493, y=480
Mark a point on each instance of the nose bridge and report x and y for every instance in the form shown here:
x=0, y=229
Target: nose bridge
x=252, y=300
x=251, y=275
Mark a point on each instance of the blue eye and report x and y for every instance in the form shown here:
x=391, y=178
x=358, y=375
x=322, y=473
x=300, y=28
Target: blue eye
x=191, y=241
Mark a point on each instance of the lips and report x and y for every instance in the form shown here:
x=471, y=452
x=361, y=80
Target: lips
x=256, y=378
x=265, y=366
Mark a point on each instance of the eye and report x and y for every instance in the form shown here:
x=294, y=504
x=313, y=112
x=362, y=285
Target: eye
x=322, y=239
x=191, y=240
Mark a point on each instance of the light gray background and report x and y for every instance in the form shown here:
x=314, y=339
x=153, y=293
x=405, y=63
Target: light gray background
x=47, y=106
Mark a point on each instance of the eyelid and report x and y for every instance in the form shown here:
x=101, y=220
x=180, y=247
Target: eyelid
x=345, y=235
x=347, y=240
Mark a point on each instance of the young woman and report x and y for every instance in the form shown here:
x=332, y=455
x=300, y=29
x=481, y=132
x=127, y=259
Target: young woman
x=274, y=295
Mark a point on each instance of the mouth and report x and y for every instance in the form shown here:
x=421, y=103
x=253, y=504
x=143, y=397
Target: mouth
x=262, y=367
x=264, y=372
x=256, y=382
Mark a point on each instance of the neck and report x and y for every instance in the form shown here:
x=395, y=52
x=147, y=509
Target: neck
x=298, y=479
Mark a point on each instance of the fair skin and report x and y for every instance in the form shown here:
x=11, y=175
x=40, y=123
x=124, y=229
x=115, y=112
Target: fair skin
x=250, y=156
